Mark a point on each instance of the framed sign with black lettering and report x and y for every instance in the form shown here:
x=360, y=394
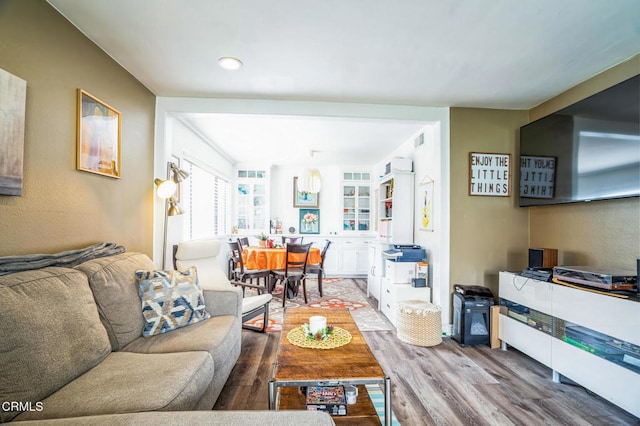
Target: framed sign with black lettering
x=489, y=174
x=537, y=176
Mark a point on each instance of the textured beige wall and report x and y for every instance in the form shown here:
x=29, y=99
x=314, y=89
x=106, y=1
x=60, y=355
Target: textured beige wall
x=603, y=234
x=62, y=208
x=488, y=234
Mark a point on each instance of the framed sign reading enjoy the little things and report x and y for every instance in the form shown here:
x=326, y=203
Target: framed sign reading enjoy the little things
x=489, y=174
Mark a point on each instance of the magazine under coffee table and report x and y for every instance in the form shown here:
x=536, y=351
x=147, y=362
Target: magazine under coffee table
x=351, y=364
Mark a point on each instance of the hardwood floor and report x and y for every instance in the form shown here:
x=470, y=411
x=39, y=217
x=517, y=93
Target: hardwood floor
x=443, y=385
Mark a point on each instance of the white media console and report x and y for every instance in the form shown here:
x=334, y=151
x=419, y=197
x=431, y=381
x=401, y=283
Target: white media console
x=541, y=319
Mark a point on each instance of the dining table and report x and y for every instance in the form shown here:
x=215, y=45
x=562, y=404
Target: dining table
x=255, y=257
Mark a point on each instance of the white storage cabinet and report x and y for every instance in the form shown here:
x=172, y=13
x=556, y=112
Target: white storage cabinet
x=551, y=311
x=401, y=290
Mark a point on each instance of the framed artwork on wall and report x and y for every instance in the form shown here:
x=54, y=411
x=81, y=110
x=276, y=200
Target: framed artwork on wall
x=426, y=204
x=489, y=174
x=13, y=100
x=98, y=136
x=309, y=221
x=303, y=199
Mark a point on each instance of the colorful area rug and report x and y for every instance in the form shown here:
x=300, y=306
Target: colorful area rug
x=337, y=293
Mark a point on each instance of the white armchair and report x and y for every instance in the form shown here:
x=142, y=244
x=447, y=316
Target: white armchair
x=203, y=255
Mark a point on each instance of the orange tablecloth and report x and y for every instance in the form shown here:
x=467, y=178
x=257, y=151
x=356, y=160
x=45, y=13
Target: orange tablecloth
x=272, y=258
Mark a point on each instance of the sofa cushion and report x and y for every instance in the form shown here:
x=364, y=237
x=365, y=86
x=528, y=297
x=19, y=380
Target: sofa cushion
x=113, y=282
x=50, y=333
x=218, y=335
x=128, y=382
x=170, y=300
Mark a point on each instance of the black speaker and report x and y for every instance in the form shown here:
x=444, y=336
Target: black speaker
x=543, y=258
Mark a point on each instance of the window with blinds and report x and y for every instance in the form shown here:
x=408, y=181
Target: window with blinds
x=205, y=203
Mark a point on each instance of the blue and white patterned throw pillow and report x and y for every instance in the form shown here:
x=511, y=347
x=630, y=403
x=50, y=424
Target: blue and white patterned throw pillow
x=170, y=300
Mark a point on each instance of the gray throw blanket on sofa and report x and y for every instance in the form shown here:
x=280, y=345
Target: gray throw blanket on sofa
x=68, y=259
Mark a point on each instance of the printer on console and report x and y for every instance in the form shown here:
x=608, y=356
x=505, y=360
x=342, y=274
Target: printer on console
x=405, y=253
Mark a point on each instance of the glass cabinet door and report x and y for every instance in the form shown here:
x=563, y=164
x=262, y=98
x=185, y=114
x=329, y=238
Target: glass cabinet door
x=259, y=205
x=356, y=201
x=252, y=200
x=364, y=211
x=349, y=207
x=244, y=207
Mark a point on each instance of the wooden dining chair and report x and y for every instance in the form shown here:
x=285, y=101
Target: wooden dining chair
x=244, y=242
x=291, y=240
x=318, y=268
x=294, y=272
x=232, y=265
x=244, y=275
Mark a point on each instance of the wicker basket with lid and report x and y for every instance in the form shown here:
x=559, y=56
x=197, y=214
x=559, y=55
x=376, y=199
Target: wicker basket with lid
x=419, y=323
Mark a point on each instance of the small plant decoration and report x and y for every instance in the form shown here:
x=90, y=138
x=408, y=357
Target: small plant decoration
x=322, y=334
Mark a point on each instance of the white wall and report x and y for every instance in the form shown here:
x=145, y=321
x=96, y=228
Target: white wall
x=329, y=202
x=431, y=162
x=186, y=144
x=280, y=202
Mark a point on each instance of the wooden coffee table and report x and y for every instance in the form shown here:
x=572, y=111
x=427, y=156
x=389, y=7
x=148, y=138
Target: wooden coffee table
x=352, y=364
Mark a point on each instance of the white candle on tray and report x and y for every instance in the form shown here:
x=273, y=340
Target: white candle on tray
x=317, y=323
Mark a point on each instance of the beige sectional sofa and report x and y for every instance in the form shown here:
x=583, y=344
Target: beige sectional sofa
x=71, y=345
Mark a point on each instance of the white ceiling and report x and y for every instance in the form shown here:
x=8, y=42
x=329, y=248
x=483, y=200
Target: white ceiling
x=463, y=53
x=299, y=140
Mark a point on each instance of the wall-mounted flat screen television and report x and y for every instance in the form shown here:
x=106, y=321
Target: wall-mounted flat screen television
x=587, y=151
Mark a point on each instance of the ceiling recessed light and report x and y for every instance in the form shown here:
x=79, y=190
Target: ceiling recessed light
x=229, y=63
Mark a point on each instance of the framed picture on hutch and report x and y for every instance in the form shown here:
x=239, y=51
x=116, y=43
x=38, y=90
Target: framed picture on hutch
x=303, y=199
x=309, y=221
